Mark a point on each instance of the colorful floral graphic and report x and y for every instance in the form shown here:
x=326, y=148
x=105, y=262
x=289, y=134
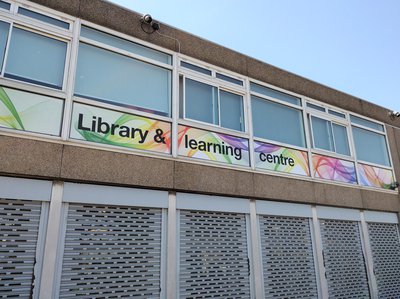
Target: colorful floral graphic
x=212, y=146
x=374, y=176
x=23, y=111
x=279, y=158
x=120, y=129
x=334, y=169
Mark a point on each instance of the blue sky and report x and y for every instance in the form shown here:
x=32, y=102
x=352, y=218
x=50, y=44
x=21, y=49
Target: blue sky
x=349, y=45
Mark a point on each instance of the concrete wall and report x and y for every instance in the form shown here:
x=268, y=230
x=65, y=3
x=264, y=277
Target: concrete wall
x=33, y=158
x=64, y=161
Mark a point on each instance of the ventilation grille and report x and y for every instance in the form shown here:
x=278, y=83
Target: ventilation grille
x=344, y=260
x=288, y=261
x=385, y=247
x=213, y=255
x=111, y=252
x=19, y=228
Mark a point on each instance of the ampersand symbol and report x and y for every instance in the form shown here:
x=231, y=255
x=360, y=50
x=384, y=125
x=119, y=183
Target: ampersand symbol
x=159, y=136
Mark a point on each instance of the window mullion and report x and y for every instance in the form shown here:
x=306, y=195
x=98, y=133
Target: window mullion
x=7, y=49
x=218, y=107
x=332, y=136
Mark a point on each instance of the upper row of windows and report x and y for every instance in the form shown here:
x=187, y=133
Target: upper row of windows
x=115, y=70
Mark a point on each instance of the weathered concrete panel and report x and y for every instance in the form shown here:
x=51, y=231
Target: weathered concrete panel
x=212, y=180
x=91, y=165
x=28, y=157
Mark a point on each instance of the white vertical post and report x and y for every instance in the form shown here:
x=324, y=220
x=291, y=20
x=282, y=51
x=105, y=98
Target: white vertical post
x=248, y=121
x=320, y=258
x=70, y=77
x=46, y=290
x=175, y=105
x=365, y=241
x=171, y=278
x=256, y=251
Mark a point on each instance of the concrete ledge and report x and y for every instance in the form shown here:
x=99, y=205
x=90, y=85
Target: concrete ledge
x=333, y=195
x=284, y=189
x=20, y=156
x=212, y=180
x=373, y=200
x=31, y=158
x=90, y=165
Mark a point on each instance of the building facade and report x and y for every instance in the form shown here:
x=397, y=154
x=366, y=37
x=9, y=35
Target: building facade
x=150, y=163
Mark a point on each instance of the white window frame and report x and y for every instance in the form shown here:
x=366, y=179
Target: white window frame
x=299, y=107
x=383, y=133
x=221, y=85
x=41, y=28
x=44, y=29
x=332, y=119
x=115, y=105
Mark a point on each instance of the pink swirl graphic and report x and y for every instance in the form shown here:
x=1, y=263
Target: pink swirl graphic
x=334, y=169
x=372, y=176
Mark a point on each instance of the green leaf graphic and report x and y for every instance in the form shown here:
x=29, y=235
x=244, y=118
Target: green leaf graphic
x=9, y=104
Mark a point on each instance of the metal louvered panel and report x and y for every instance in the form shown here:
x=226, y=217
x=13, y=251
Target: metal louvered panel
x=288, y=261
x=385, y=246
x=344, y=260
x=213, y=255
x=19, y=230
x=111, y=252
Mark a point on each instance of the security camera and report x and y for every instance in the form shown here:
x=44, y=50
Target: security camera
x=150, y=24
x=147, y=19
x=394, y=114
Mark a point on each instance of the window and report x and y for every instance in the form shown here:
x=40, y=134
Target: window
x=329, y=136
x=337, y=114
x=196, y=68
x=229, y=79
x=277, y=122
x=125, y=45
x=118, y=78
x=4, y=29
x=370, y=141
x=262, y=90
x=42, y=62
x=211, y=104
x=366, y=123
x=43, y=18
x=5, y=5
x=315, y=107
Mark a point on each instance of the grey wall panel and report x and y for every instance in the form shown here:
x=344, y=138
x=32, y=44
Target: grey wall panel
x=16, y=188
x=114, y=195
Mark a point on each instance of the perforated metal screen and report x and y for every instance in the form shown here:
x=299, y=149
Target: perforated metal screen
x=385, y=245
x=344, y=260
x=111, y=252
x=19, y=229
x=213, y=255
x=288, y=262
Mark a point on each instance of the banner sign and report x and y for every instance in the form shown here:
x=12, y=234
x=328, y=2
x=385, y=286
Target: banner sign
x=120, y=129
x=279, y=158
x=24, y=111
x=372, y=176
x=206, y=145
x=334, y=169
